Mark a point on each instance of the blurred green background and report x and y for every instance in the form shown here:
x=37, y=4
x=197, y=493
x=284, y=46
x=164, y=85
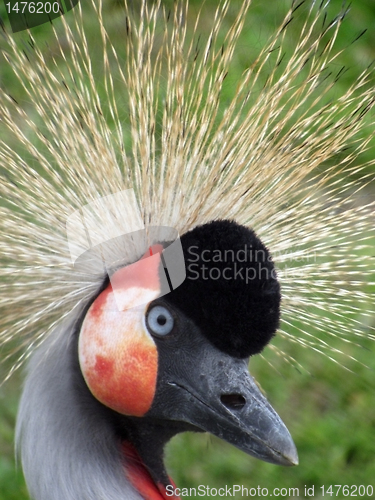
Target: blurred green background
x=329, y=411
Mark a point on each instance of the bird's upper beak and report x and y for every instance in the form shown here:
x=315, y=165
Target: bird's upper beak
x=219, y=396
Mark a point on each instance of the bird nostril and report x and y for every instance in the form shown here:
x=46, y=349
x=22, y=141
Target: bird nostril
x=233, y=401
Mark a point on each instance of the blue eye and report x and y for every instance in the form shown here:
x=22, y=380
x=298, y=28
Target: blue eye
x=159, y=321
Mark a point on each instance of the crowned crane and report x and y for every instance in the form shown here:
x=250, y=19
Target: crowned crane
x=122, y=357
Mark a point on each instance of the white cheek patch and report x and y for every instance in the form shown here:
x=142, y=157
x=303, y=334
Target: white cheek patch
x=117, y=355
x=124, y=299
x=108, y=328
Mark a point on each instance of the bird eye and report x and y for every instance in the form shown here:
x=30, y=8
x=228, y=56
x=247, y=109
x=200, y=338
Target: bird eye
x=159, y=320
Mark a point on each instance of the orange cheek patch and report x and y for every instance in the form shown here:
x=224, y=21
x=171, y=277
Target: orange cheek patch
x=127, y=387
x=117, y=355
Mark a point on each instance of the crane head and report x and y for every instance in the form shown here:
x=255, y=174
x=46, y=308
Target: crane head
x=180, y=362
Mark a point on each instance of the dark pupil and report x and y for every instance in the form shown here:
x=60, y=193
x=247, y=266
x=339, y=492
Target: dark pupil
x=161, y=320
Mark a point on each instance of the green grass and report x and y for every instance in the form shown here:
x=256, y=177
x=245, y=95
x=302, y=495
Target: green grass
x=12, y=485
x=329, y=411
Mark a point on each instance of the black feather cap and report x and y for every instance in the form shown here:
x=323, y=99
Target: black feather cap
x=231, y=290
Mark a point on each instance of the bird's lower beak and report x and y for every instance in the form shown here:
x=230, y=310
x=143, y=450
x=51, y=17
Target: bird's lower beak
x=223, y=399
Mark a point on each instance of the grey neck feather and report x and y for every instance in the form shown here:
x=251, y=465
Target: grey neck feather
x=68, y=451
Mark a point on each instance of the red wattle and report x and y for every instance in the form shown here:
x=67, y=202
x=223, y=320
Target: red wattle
x=140, y=477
